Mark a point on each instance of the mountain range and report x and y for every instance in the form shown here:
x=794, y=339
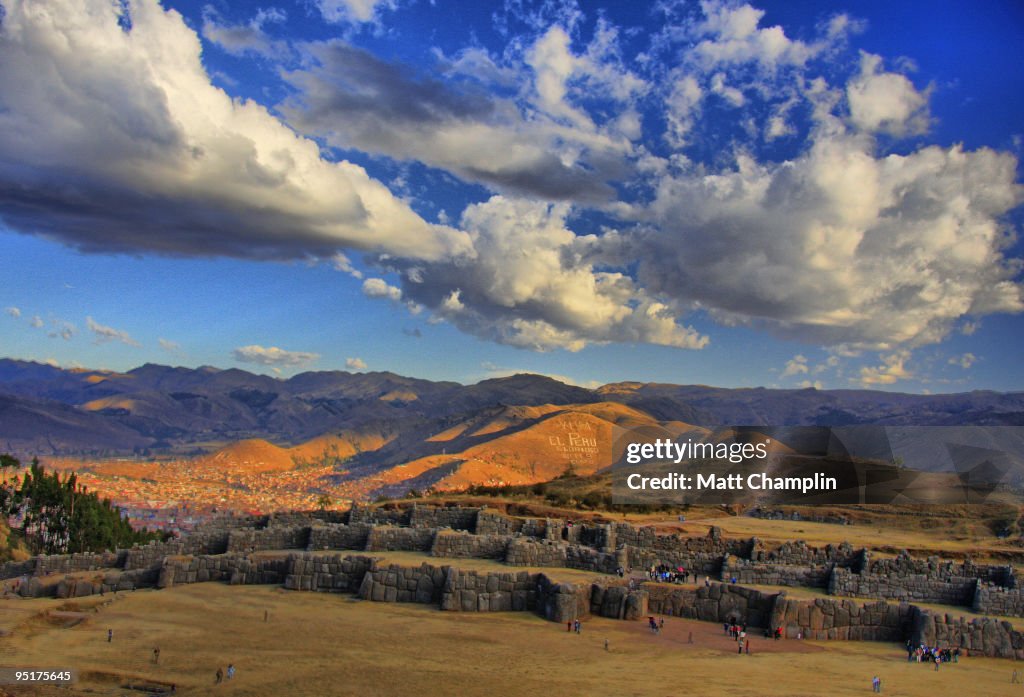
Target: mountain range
x=155, y=409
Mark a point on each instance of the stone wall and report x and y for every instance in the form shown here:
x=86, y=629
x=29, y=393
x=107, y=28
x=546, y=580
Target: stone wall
x=936, y=569
x=719, y=602
x=215, y=552
x=372, y=515
x=986, y=636
x=799, y=553
x=618, y=602
x=562, y=602
x=700, y=555
x=438, y=517
x=600, y=537
x=14, y=569
x=759, y=573
x=70, y=563
x=527, y=551
x=828, y=618
x=152, y=554
x=276, y=537
x=106, y=583
x=383, y=538
x=925, y=588
x=494, y=523
x=541, y=528
x=338, y=536
x=589, y=559
x=400, y=584
x=62, y=564
x=449, y=543
x=990, y=599
x=326, y=572
x=471, y=591
x=235, y=569
x=291, y=519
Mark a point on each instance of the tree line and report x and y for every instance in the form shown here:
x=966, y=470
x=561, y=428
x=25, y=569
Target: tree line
x=57, y=515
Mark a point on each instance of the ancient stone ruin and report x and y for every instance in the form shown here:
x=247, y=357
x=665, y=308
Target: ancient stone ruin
x=335, y=553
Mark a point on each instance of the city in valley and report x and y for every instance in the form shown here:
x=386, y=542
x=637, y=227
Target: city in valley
x=175, y=495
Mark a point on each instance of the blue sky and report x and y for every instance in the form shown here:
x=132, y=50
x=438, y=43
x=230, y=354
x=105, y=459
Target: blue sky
x=780, y=194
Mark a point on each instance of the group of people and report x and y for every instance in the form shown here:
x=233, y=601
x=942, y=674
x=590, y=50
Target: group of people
x=574, y=625
x=655, y=625
x=230, y=673
x=932, y=655
x=667, y=574
x=739, y=633
x=736, y=631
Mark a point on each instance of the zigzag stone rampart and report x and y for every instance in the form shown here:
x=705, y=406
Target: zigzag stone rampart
x=255, y=550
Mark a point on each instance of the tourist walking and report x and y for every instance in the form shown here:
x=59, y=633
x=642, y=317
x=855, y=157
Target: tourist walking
x=110, y=635
x=156, y=655
x=220, y=675
x=876, y=684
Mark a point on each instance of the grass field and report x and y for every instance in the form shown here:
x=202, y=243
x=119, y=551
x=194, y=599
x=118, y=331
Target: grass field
x=322, y=644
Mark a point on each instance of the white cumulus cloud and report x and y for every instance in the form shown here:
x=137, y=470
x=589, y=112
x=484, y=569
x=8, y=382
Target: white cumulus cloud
x=379, y=288
x=115, y=139
x=891, y=370
x=886, y=102
x=795, y=366
x=273, y=356
x=106, y=333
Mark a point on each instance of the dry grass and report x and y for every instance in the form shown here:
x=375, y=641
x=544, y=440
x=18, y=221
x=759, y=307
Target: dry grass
x=321, y=644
